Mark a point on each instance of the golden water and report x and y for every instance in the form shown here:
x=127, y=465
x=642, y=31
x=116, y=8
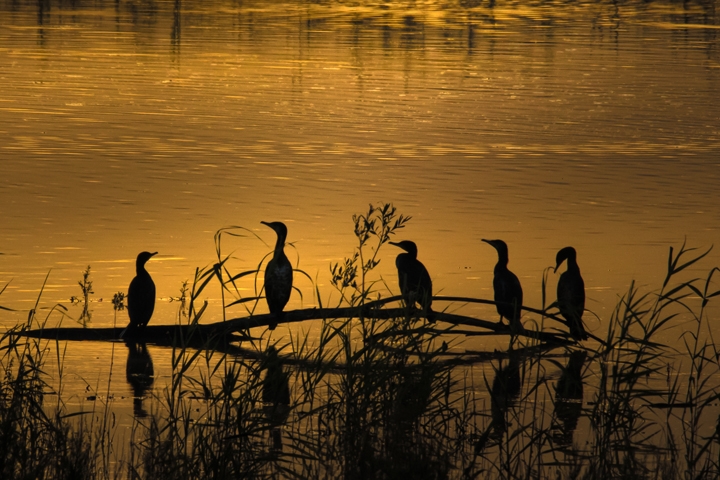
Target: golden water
x=130, y=126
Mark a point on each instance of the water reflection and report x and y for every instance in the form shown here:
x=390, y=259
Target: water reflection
x=569, y=399
x=43, y=15
x=275, y=395
x=140, y=374
x=333, y=107
x=504, y=392
x=175, y=34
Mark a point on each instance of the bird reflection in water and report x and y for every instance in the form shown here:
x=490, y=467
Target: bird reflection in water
x=140, y=374
x=505, y=390
x=275, y=395
x=569, y=399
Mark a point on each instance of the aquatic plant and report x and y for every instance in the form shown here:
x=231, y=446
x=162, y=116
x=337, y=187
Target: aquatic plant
x=397, y=397
x=38, y=439
x=86, y=288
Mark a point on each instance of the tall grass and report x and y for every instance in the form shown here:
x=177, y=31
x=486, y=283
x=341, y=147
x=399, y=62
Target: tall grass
x=39, y=439
x=398, y=398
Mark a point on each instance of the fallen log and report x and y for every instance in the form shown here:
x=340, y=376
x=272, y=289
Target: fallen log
x=237, y=329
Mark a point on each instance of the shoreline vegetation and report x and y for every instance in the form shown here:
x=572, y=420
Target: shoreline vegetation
x=381, y=393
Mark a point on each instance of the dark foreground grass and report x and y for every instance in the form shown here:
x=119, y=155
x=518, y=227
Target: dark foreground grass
x=387, y=399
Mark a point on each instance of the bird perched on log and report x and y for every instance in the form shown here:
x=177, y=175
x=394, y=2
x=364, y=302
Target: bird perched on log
x=414, y=279
x=571, y=293
x=278, y=275
x=508, y=291
x=141, y=294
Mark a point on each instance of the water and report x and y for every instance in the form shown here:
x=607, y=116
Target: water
x=131, y=126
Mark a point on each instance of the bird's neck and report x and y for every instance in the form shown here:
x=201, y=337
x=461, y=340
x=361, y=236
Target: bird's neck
x=572, y=265
x=502, y=262
x=409, y=255
x=279, y=245
x=140, y=269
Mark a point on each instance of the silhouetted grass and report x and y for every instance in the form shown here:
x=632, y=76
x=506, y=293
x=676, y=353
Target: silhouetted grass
x=393, y=398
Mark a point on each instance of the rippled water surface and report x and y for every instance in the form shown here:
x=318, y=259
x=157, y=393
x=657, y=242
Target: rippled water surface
x=131, y=125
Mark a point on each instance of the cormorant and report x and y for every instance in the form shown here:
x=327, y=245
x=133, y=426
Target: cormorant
x=508, y=292
x=278, y=275
x=414, y=279
x=571, y=293
x=141, y=293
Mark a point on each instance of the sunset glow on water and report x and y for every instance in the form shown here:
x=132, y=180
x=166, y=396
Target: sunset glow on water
x=133, y=126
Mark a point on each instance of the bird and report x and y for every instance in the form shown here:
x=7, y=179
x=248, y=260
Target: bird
x=508, y=291
x=414, y=279
x=278, y=275
x=571, y=293
x=141, y=293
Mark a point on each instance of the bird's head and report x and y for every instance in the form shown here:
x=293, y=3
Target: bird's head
x=500, y=246
x=408, y=246
x=567, y=253
x=279, y=228
x=143, y=257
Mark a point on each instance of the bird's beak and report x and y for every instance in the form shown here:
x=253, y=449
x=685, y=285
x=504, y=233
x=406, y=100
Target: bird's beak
x=394, y=243
x=153, y=254
x=556, y=267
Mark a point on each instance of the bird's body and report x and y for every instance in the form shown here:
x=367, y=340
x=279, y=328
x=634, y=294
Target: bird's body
x=508, y=291
x=278, y=275
x=413, y=277
x=141, y=293
x=571, y=293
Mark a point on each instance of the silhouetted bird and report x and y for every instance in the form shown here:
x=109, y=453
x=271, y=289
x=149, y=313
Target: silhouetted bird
x=278, y=275
x=508, y=292
x=571, y=293
x=141, y=293
x=414, y=279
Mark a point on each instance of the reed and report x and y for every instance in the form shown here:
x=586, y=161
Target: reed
x=392, y=398
x=39, y=439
